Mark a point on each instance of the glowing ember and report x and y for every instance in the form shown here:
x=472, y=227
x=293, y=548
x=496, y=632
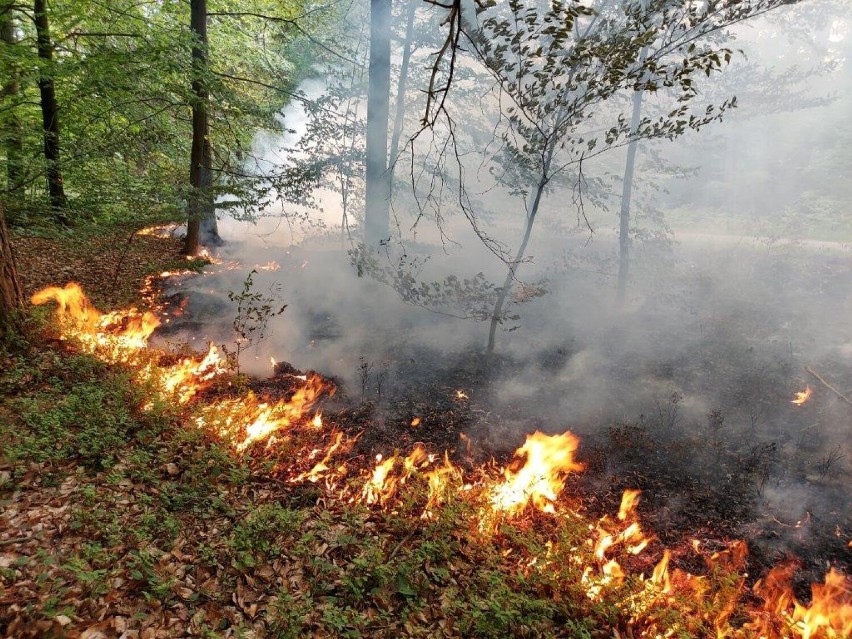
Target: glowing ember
x=540, y=477
x=461, y=395
x=415, y=422
x=802, y=396
x=316, y=422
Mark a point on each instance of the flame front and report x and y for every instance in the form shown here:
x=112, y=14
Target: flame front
x=535, y=478
x=541, y=476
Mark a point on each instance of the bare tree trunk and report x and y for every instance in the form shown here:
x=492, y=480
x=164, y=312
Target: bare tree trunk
x=201, y=224
x=12, y=127
x=377, y=209
x=400, y=90
x=627, y=189
x=11, y=296
x=49, y=114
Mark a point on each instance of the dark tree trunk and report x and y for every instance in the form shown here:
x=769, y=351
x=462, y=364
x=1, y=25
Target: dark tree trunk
x=49, y=113
x=201, y=225
x=627, y=190
x=11, y=297
x=401, y=85
x=11, y=127
x=377, y=210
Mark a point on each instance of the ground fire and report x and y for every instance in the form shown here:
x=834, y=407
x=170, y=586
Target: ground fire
x=530, y=487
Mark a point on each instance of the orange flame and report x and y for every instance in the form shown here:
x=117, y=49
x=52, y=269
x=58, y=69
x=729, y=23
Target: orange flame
x=118, y=335
x=321, y=468
x=629, y=500
x=440, y=480
x=381, y=484
x=541, y=477
x=802, y=396
x=829, y=614
x=189, y=376
x=536, y=478
x=282, y=415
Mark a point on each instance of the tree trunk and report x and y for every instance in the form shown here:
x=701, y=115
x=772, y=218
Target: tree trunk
x=400, y=91
x=49, y=113
x=201, y=227
x=544, y=179
x=513, y=266
x=627, y=189
x=11, y=127
x=377, y=205
x=11, y=297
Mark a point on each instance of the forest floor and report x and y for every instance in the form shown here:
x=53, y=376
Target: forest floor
x=119, y=518
x=113, y=266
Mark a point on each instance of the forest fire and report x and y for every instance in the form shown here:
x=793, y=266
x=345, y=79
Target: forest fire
x=540, y=478
x=534, y=480
x=117, y=335
x=187, y=377
x=802, y=396
x=828, y=615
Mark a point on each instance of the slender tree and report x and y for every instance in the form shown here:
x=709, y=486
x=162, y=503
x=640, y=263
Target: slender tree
x=402, y=83
x=201, y=218
x=377, y=205
x=11, y=127
x=49, y=112
x=558, y=69
x=627, y=186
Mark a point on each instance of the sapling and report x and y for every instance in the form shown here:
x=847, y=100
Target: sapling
x=254, y=309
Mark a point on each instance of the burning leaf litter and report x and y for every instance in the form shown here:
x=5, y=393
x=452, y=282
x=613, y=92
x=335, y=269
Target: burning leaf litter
x=532, y=485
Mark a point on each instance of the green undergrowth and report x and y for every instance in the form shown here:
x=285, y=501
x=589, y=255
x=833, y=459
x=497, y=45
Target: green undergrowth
x=159, y=521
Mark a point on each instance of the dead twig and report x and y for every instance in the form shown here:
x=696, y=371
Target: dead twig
x=14, y=540
x=401, y=544
x=828, y=386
